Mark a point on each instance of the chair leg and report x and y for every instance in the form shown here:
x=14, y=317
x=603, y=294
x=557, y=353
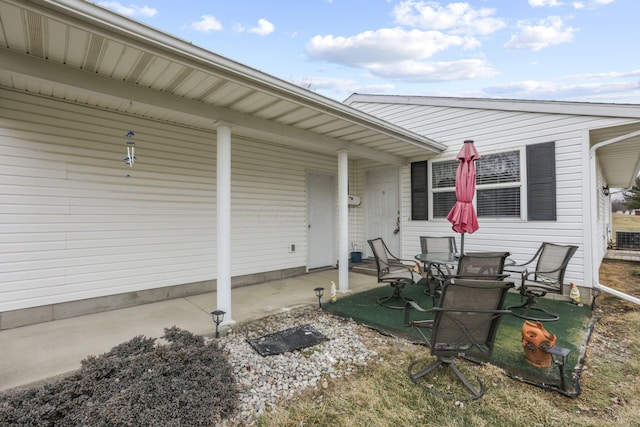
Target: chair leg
x=475, y=393
x=425, y=371
x=524, y=310
x=396, y=296
x=450, y=362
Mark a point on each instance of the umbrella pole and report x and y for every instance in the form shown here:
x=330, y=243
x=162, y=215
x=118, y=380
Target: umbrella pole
x=462, y=244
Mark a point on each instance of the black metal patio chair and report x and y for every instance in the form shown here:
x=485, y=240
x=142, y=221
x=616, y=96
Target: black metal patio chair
x=466, y=320
x=394, y=271
x=482, y=265
x=479, y=265
x=549, y=266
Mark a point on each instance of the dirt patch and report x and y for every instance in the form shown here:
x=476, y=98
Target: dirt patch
x=623, y=276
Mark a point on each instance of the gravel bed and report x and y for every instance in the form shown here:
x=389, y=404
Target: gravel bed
x=266, y=382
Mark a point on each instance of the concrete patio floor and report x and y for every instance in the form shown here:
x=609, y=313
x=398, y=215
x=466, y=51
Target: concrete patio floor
x=34, y=353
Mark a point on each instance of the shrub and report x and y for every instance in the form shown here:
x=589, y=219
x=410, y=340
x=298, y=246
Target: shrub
x=185, y=382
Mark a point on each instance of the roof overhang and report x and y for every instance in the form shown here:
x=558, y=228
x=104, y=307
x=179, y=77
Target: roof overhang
x=617, y=147
x=618, y=151
x=79, y=52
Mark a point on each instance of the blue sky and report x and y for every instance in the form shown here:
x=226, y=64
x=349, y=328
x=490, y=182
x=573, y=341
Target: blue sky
x=584, y=50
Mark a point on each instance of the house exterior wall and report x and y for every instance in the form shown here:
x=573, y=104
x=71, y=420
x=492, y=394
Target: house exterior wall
x=357, y=177
x=73, y=226
x=603, y=221
x=494, y=131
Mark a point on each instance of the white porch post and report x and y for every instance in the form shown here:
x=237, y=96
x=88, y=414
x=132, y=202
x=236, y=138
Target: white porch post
x=223, y=187
x=343, y=221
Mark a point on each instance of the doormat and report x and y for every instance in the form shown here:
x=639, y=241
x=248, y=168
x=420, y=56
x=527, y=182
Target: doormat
x=287, y=340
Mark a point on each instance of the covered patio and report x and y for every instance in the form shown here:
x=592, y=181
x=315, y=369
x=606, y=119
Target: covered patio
x=43, y=351
x=216, y=143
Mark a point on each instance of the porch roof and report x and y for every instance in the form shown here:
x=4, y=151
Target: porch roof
x=79, y=52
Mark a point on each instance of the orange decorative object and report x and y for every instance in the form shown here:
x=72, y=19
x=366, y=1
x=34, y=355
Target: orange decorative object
x=535, y=341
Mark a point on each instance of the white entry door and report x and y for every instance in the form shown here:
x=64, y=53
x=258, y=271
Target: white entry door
x=383, y=212
x=321, y=193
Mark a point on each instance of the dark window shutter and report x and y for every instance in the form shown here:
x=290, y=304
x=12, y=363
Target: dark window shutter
x=419, y=194
x=541, y=182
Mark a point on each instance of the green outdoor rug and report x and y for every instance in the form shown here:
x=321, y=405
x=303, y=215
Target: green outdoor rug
x=572, y=331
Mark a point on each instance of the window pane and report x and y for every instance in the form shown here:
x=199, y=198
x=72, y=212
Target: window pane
x=498, y=168
x=498, y=202
x=444, y=174
x=442, y=203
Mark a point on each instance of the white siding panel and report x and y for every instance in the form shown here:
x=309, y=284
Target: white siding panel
x=492, y=131
x=74, y=226
x=357, y=175
x=268, y=186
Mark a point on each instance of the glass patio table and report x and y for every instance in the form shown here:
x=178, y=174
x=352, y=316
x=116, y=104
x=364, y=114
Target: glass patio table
x=446, y=264
x=443, y=262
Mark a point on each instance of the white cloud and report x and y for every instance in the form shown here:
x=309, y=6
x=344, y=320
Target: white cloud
x=343, y=87
x=264, y=28
x=609, y=75
x=131, y=10
x=419, y=72
x=207, y=23
x=454, y=17
x=544, y=3
x=576, y=89
x=400, y=55
x=384, y=45
x=548, y=32
x=592, y=4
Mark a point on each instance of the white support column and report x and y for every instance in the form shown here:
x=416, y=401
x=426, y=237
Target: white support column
x=343, y=221
x=223, y=186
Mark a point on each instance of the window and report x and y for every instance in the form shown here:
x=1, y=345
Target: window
x=499, y=185
x=443, y=176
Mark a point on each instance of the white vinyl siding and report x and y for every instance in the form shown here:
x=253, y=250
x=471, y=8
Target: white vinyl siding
x=73, y=226
x=357, y=176
x=496, y=131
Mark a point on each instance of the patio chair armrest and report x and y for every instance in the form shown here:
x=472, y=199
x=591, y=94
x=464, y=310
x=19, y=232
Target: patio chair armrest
x=400, y=263
x=479, y=276
x=524, y=264
x=549, y=271
x=407, y=311
x=421, y=324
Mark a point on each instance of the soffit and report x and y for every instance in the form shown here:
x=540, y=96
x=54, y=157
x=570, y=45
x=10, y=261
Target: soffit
x=79, y=52
x=620, y=160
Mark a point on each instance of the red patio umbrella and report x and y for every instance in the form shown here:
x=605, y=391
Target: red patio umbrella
x=463, y=215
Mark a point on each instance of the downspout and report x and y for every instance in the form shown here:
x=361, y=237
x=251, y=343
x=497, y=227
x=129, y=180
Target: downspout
x=593, y=182
x=622, y=295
